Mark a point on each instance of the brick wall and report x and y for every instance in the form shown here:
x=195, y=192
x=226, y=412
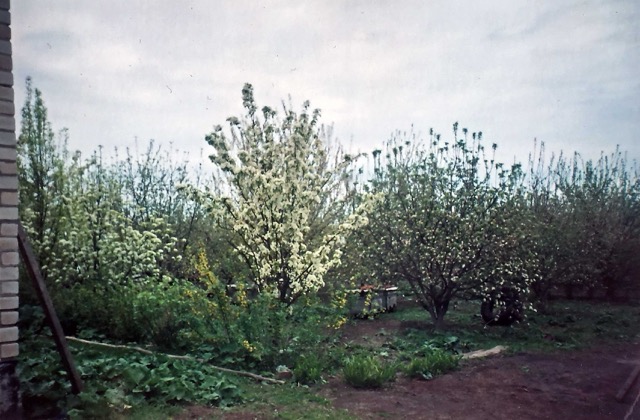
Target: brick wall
x=8, y=196
x=9, y=258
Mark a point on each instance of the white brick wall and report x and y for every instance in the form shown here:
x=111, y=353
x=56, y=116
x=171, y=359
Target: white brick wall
x=8, y=196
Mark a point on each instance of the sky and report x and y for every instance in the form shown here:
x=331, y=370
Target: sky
x=564, y=73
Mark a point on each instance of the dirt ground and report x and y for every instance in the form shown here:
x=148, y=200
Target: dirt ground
x=578, y=384
x=567, y=385
x=562, y=385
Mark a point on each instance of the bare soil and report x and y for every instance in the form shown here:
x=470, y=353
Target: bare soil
x=578, y=384
x=567, y=385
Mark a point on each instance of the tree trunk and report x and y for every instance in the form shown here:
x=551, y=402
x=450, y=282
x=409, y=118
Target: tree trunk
x=568, y=291
x=440, y=310
x=439, y=322
x=610, y=287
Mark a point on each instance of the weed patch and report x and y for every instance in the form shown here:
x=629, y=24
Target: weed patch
x=116, y=382
x=367, y=372
x=434, y=363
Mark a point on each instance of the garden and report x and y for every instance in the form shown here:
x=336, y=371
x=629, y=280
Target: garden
x=226, y=289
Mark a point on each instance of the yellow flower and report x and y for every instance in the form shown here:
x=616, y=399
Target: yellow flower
x=339, y=323
x=248, y=346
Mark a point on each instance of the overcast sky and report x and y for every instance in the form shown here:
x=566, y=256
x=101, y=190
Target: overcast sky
x=565, y=72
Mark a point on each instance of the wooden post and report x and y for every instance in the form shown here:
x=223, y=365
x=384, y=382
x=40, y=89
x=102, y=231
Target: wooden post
x=628, y=383
x=47, y=305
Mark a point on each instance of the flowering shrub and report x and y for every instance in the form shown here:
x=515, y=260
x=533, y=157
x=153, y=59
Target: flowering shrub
x=586, y=224
x=104, y=269
x=283, y=202
x=449, y=223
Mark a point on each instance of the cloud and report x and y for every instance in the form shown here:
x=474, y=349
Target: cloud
x=113, y=71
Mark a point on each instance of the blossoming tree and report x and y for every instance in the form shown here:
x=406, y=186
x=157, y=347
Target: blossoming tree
x=282, y=197
x=449, y=223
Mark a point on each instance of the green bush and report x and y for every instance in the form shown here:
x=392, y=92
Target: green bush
x=308, y=369
x=116, y=381
x=273, y=333
x=435, y=362
x=157, y=313
x=367, y=372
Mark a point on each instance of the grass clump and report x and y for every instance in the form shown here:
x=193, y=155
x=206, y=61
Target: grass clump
x=308, y=370
x=363, y=371
x=435, y=362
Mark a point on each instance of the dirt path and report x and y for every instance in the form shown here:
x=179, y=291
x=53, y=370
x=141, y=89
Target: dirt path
x=565, y=385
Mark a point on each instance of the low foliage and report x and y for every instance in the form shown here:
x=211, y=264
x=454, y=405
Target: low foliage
x=287, y=402
x=309, y=369
x=563, y=325
x=435, y=362
x=116, y=382
x=362, y=371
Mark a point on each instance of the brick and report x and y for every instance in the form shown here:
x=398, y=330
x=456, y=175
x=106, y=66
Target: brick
x=8, y=213
x=8, y=153
x=8, y=334
x=8, y=273
x=9, y=198
x=9, y=229
x=9, y=317
x=8, y=182
x=9, y=302
x=6, y=78
x=9, y=350
x=6, y=63
x=6, y=93
x=10, y=258
x=7, y=122
x=8, y=244
x=7, y=107
x=5, y=47
x=7, y=138
x=5, y=32
x=9, y=287
x=5, y=17
x=8, y=168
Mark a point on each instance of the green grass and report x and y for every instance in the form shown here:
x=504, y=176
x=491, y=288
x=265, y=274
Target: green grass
x=117, y=378
x=435, y=362
x=361, y=371
x=563, y=325
x=287, y=402
x=309, y=369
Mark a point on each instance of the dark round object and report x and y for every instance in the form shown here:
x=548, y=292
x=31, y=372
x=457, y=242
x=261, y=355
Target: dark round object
x=511, y=313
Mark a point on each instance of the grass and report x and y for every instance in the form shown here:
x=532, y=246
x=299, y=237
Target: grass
x=362, y=371
x=563, y=325
x=434, y=363
x=286, y=402
x=309, y=369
